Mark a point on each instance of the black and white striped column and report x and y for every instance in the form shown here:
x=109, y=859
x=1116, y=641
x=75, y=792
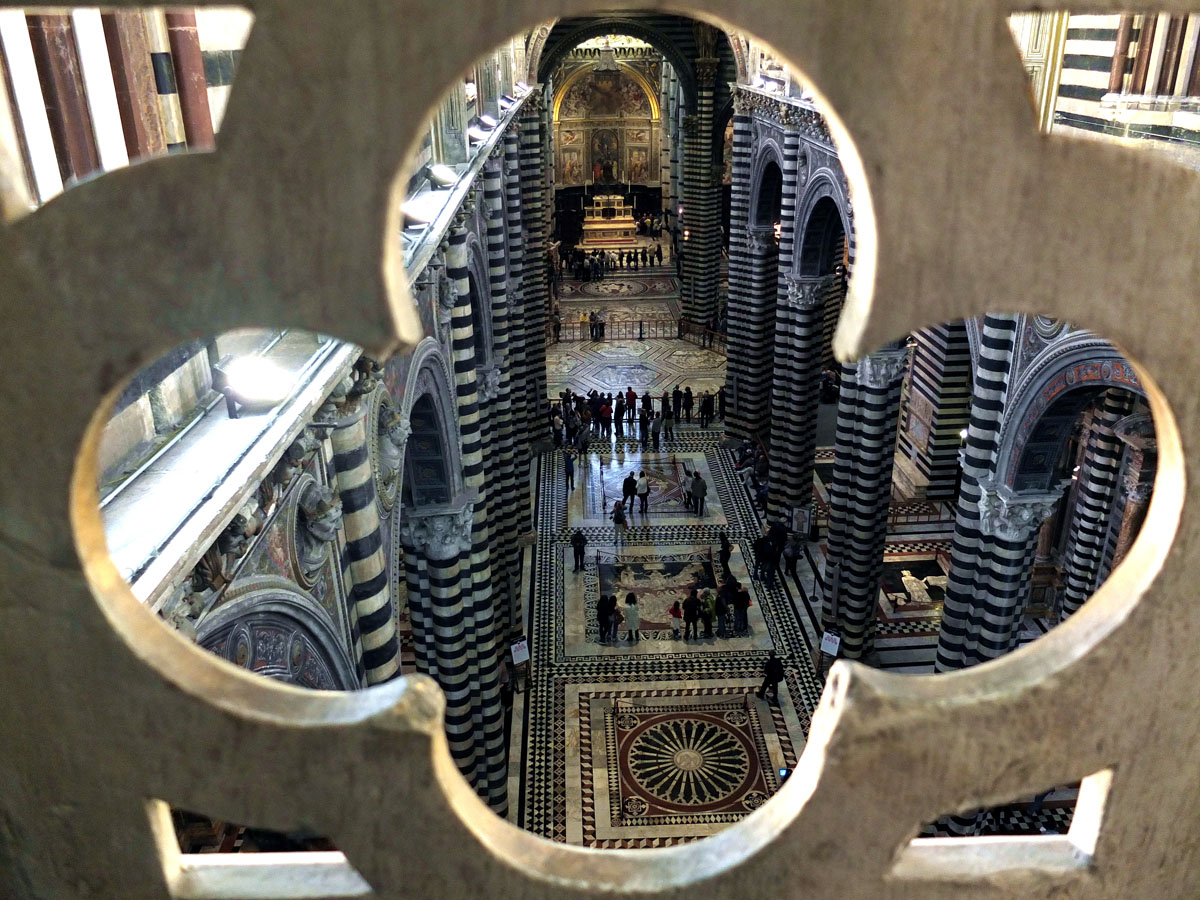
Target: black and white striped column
x=499, y=453
x=364, y=542
x=864, y=448
x=515, y=236
x=995, y=529
x=536, y=287
x=1089, y=520
x=475, y=593
x=702, y=204
x=797, y=373
x=748, y=358
x=435, y=545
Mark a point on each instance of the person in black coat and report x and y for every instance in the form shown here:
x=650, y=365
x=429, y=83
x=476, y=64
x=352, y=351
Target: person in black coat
x=578, y=543
x=691, y=615
x=772, y=675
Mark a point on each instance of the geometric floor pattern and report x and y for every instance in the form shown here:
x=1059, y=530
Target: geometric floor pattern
x=663, y=741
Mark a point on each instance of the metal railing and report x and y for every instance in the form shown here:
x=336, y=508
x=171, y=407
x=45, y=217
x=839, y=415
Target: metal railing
x=619, y=330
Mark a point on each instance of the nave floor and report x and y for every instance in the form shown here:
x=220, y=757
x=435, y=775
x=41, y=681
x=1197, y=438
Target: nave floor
x=663, y=741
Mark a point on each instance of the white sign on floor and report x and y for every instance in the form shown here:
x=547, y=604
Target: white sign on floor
x=830, y=643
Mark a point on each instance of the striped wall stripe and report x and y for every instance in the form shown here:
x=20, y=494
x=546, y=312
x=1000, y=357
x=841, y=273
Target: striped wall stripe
x=536, y=288
x=519, y=392
x=364, y=547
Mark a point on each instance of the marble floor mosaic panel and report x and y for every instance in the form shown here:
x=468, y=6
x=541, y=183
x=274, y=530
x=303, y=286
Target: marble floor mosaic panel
x=606, y=472
x=652, y=365
x=659, y=575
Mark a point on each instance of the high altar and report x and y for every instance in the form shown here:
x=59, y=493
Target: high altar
x=608, y=222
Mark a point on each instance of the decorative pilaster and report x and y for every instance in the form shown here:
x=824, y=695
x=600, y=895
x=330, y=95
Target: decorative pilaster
x=864, y=447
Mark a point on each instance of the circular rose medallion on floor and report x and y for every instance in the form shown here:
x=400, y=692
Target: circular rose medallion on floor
x=617, y=287
x=689, y=761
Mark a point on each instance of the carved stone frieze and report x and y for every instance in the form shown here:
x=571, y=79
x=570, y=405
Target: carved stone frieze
x=793, y=115
x=318, y=519
x=488, y=383
x=760, y=240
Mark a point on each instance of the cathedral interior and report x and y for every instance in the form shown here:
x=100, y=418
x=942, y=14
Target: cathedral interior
x=617, y=497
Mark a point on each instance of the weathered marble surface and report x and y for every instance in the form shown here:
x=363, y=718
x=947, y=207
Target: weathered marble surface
x=961, y=206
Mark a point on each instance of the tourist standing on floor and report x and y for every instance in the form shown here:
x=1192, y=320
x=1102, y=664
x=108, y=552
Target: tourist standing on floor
x=772, y=675
x=633, y=253
x=616, y=620
x=556, y=425
x=632, y=620
x=619, y=416
x=721, y=612
x=725, y=552
x=676, y=617
x=569, y=469
x=619, y=523
x=605, y=421
x=668, y=420
x=630, y=403
x=685, y=482
x=603, y=617
x=721, y=402
x=765, y=559
x=699, y=491
x=691, y=615
x=656, y=428
x=706, y=409
x=708, y=611
x=629, y=489
x=556, y=322
x=647, y=402
x=665, y=402
x=658, y=250
x=741, y=609
x=601, y=321
x=578, y=543
x=687, y=403
x=791, y=555
x=677, y=399
x=643, y=492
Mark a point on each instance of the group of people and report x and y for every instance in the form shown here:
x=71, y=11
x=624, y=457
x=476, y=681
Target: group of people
x=593, y=265
x=773, y=546
x=652, y=225
x=576, y=418
x=751, y=464
x=610, y=616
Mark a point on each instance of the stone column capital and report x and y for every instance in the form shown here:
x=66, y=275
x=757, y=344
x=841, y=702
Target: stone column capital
x=440, y=532
x=805, y=293
x=1015, y=517
x=760, y=239
x=879, y=370
x=706, y=71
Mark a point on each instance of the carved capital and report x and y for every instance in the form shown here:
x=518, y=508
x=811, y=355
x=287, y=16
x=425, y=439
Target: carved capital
x=690, y=125
x=440, y=534
x=488, y=383
x=743, y=103
x=1015, y=517
x=804, y=293
x=760, y=240
x=706, y=71
x=880, y=370
x=319, y=516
